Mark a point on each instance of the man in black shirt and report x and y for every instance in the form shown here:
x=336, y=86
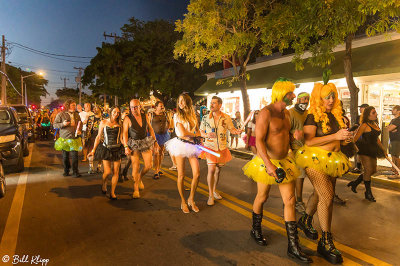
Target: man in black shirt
x=394, y=136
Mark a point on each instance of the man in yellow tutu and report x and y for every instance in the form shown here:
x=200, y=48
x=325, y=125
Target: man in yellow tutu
x=273, y=165
x=69, y=123
x=323, y=161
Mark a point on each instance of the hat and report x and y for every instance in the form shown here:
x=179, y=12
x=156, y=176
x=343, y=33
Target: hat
x=364, y=105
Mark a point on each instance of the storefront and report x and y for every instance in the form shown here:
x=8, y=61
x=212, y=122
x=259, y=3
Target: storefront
x=376, y=68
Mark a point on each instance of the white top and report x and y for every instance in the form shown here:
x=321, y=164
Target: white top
x=84, y=117
x=184, y=123
x=252, y=126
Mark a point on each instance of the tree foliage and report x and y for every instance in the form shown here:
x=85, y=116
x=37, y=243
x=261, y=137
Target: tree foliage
x=142, y=61
x=35, y=86
x=215, y=30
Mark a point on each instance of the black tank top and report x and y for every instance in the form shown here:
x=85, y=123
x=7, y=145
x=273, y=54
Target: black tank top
x=137, y=132
x=159, y=124
x=112, y=137
x=333, y=124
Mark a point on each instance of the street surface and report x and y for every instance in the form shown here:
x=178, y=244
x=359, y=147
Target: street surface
x=68, y=221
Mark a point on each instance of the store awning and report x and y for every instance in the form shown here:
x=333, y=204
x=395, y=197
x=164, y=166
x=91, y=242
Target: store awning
x=376, y=59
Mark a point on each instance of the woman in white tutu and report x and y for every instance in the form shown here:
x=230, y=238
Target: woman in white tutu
x=183, y=146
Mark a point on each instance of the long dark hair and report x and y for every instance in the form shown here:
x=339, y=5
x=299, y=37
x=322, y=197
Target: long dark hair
x=365, y=115
x=119, y=119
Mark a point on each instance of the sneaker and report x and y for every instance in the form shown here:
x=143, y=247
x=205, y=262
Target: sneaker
x=172, y=168
x=217, y=195
x=338, y=200
x=300, y=207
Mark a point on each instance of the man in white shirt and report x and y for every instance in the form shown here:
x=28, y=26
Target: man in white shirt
x=84, y=118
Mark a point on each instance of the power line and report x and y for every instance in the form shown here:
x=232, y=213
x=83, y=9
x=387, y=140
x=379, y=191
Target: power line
x=62, y=55
x=62, y=59
x=35, y=67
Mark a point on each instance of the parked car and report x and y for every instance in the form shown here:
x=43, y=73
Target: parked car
x=25, y=117
x=13, y=139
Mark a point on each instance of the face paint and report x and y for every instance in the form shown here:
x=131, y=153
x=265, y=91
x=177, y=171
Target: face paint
x=332, y=94
x=287, y=101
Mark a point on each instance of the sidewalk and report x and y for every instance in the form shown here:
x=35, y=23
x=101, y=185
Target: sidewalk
x=383, y=176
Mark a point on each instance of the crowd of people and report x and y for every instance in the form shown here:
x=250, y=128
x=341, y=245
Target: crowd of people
x=288, y=145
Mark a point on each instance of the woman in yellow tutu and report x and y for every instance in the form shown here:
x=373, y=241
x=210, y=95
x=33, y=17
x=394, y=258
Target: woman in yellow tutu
x=324, y=132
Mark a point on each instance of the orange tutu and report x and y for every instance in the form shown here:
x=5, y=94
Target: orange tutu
x=212, y=159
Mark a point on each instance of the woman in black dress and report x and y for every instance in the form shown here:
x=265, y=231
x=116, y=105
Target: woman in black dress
x=370, y=148
x=110, y=150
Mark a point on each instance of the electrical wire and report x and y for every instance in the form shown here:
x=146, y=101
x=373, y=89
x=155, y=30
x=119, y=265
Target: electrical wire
x=62, y=55
x=62, y=59
x=39, y=68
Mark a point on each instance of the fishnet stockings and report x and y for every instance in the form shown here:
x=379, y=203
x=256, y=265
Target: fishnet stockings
x=322, y=198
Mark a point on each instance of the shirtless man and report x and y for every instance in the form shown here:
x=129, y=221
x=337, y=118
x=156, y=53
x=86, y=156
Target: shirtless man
x=136, y=142
x=273, y=165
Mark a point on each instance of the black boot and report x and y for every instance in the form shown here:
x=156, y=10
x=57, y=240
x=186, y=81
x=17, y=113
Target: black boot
x=305, y=224
x=294, y=250
x=256, y=232
x=327, y=249
x=368, y=192
x=355, y=183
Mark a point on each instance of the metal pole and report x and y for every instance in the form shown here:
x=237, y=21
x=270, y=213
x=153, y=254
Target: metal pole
x=26, y=96
x=22, y=89
x=3, y=69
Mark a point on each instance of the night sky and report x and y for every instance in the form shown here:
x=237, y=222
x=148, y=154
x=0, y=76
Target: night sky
x=71, y=27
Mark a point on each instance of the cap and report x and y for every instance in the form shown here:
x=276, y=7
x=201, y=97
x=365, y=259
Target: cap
x=303, y=94
x=364, y=105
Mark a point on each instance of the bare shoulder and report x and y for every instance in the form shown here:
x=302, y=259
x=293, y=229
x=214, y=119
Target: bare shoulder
x=265, y=112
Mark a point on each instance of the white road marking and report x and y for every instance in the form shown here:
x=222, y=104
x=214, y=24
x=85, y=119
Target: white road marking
x=9, y=240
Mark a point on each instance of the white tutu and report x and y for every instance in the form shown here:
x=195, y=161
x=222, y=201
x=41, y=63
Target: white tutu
x=176, y=147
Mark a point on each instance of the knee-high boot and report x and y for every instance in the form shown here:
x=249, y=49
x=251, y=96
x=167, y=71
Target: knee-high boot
x=294, y=249
x=368, y=192
x=355, y=183
x=256, y=232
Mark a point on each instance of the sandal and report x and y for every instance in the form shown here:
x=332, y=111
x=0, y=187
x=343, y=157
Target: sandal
x=185, y=208
x=194, y=207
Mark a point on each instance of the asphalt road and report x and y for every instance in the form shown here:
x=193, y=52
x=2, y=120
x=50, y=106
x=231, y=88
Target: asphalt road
x=68, y=221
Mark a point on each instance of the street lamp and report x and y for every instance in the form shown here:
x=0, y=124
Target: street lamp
x=41, y=74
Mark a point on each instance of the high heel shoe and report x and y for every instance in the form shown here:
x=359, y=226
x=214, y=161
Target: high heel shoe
x=194, y=207
x=185, y=208
x=113, y=198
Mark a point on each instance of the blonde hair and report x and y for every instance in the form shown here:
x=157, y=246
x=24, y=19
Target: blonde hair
x=280, y=88
x=187, y=114
x=317, y=106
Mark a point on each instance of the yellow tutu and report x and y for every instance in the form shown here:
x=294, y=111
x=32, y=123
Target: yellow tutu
x=332, y=163
x=255, y=169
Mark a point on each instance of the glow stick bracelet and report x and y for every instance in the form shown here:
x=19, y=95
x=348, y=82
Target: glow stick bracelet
x=209, y=151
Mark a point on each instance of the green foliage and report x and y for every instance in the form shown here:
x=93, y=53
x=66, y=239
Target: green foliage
x=35, y=86
x=319, y=26
x=140, y=62
x=326, y=75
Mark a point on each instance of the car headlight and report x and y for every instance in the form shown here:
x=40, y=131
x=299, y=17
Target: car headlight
x=7, y=138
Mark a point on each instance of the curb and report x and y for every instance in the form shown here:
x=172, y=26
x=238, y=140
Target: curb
x=378, y=179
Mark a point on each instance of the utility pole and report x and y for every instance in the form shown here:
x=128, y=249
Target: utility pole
x=116, y=37
x=78, y=80
x=3, y=69
x=65, y=81
x=26, y=96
